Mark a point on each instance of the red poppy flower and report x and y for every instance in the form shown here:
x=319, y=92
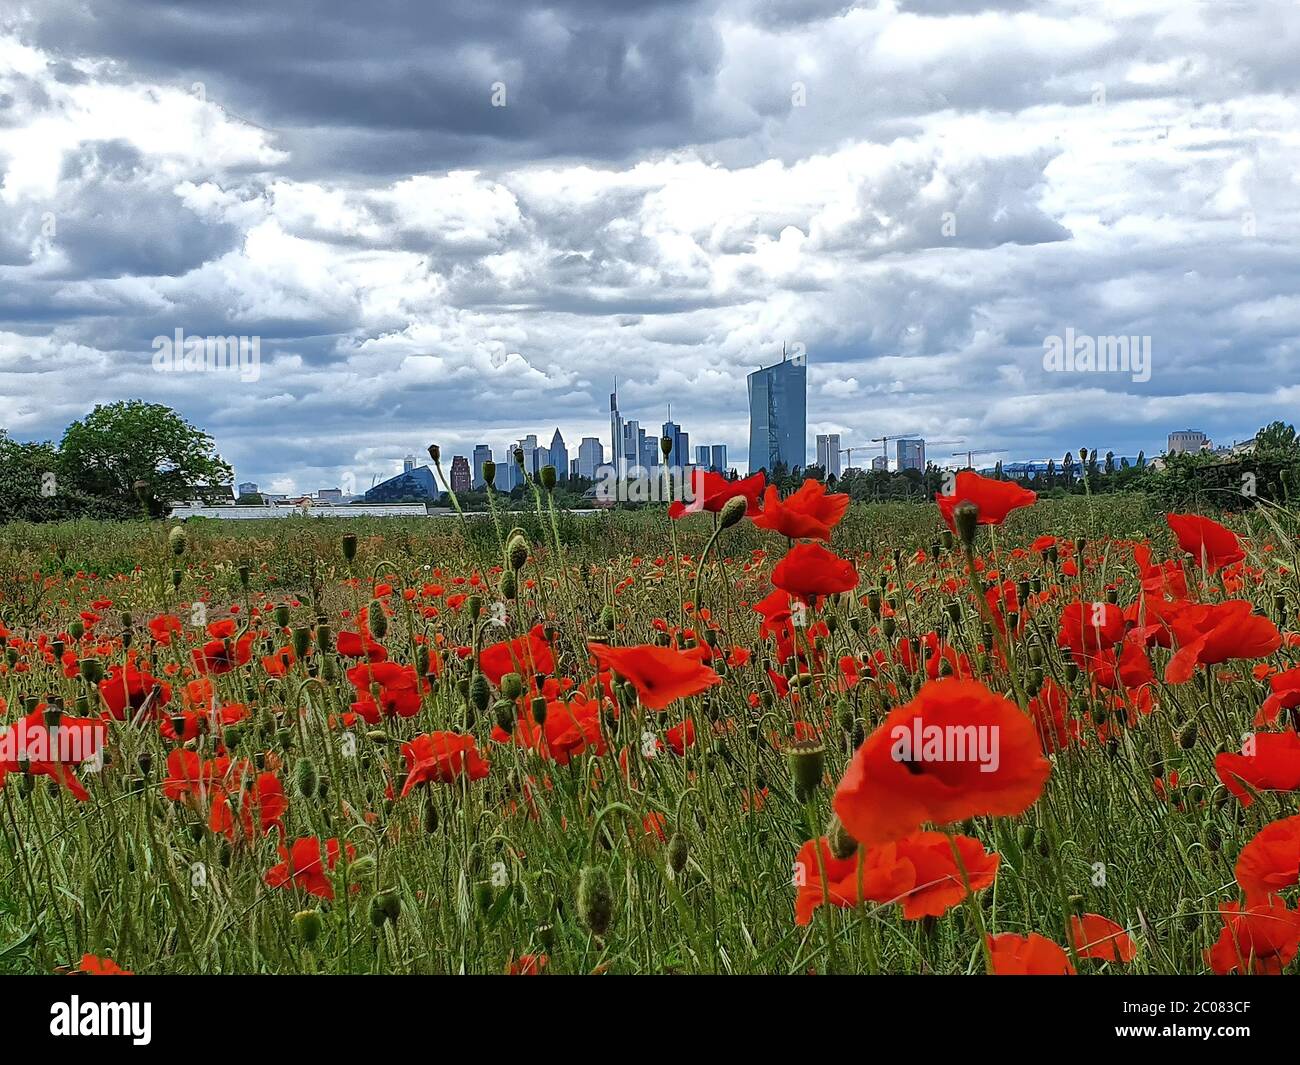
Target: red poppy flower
x=1208, y=635
x=1261, y=939
x=301, y=866
x=265, y=797
x=995, y=499
x=939, y=884
x=91, y=965
x=30, y=745
x=528, y=656
x=1095, y=936
x=808, y=514
x=188, y=774
x=442, y=757
x=809, y=570
x=1087, y=628
x=712, y=490
x=1270, y=863
x=1286, y=695
x=1031, y=955
x=1054, y=727
x=883, y=877
x=1273, y=765
x=1210, y=544
x=400, y=689
x=217, y=657
x=529, y=965
x=975, y=754
x=360, y=645
x=571, y=728
x=661, y=675
x=126, y=686
x=162, y=627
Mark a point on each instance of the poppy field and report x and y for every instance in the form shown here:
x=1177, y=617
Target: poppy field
x=991, y=734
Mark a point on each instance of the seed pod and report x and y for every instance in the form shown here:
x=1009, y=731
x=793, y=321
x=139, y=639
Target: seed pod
x=595, y=899
x=548, y=478
x=807, y=761
x=538, y=707
x=177, y=540
x=504, y=711
x=512, y=686
x=508, y=585
x=349, y=546
x=480, y=693
x=305, y=777
x=377, y=620
x=308, y=925
x=517, y=553
x=678, y=852
x=1187, y=737
x=965, y=516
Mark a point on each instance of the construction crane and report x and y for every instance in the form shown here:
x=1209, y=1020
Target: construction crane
x=883, y=441
x=970, y=454
x=849, y=451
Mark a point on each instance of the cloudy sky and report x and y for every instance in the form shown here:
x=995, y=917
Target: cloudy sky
x=457, y=222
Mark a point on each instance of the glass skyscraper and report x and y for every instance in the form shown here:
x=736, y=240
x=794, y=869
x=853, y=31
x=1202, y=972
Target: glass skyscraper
x=778, y=415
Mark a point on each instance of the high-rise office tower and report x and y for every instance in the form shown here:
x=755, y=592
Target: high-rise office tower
x=591, y=455
x=408, y=464
x=911, y=453
x=828, y=453
x=616, y=431
x=482, y=454
x=558, y=456
x=778, y=415
x=460, y=474
x=719, y=462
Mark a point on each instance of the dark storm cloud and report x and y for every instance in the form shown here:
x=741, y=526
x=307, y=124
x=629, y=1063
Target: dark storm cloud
x=396, y=87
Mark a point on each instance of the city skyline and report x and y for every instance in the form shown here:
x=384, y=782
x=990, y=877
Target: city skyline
x=1018, y=224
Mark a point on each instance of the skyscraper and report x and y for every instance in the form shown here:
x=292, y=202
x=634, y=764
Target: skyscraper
x=616, y=431
x=911, y=453
x=828, y=453
x=482, y=454
x=679, y=451
x=591, y=454
x=719, y=453
x=558, y=456
x=702, y=457
x=408, y=464
x=778, y=415
x=460, y=475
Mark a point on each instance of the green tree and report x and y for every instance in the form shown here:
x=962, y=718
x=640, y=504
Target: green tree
x=115, y=446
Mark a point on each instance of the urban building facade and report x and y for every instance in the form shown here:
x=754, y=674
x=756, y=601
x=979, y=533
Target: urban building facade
x=778, y=415
x=1187, y=440
x=461, y=478
x=910, y=452
x=482, y=455
x=828, y=454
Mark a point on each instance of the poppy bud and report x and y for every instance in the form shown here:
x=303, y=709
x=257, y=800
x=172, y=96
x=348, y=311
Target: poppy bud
x=76, y=629
x=306, y=778
x=841, y=844
x=539, y=709
x=324, y=637
x=888, y=627
x=384, y=906
x=435, y=453
x=301, y=641
x=489, y=473
x=548, y=477
x=244, y=573
x=873, y=602
x=1187, y=737
x=508, y=585
x=474, y=605
x=377, y=619
x=946, y=539
x=504, y=710
x=512, y=686
x=807, y=760
x=732, y=511
x=479, y=692
x=281, y=615
x=678, y=852
x=519, y=457
x=965, y=515
x=349, y=546
x=308, y=925
x=92, y=669
x=607, y=618
x=595, y=899
x=517, y=552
